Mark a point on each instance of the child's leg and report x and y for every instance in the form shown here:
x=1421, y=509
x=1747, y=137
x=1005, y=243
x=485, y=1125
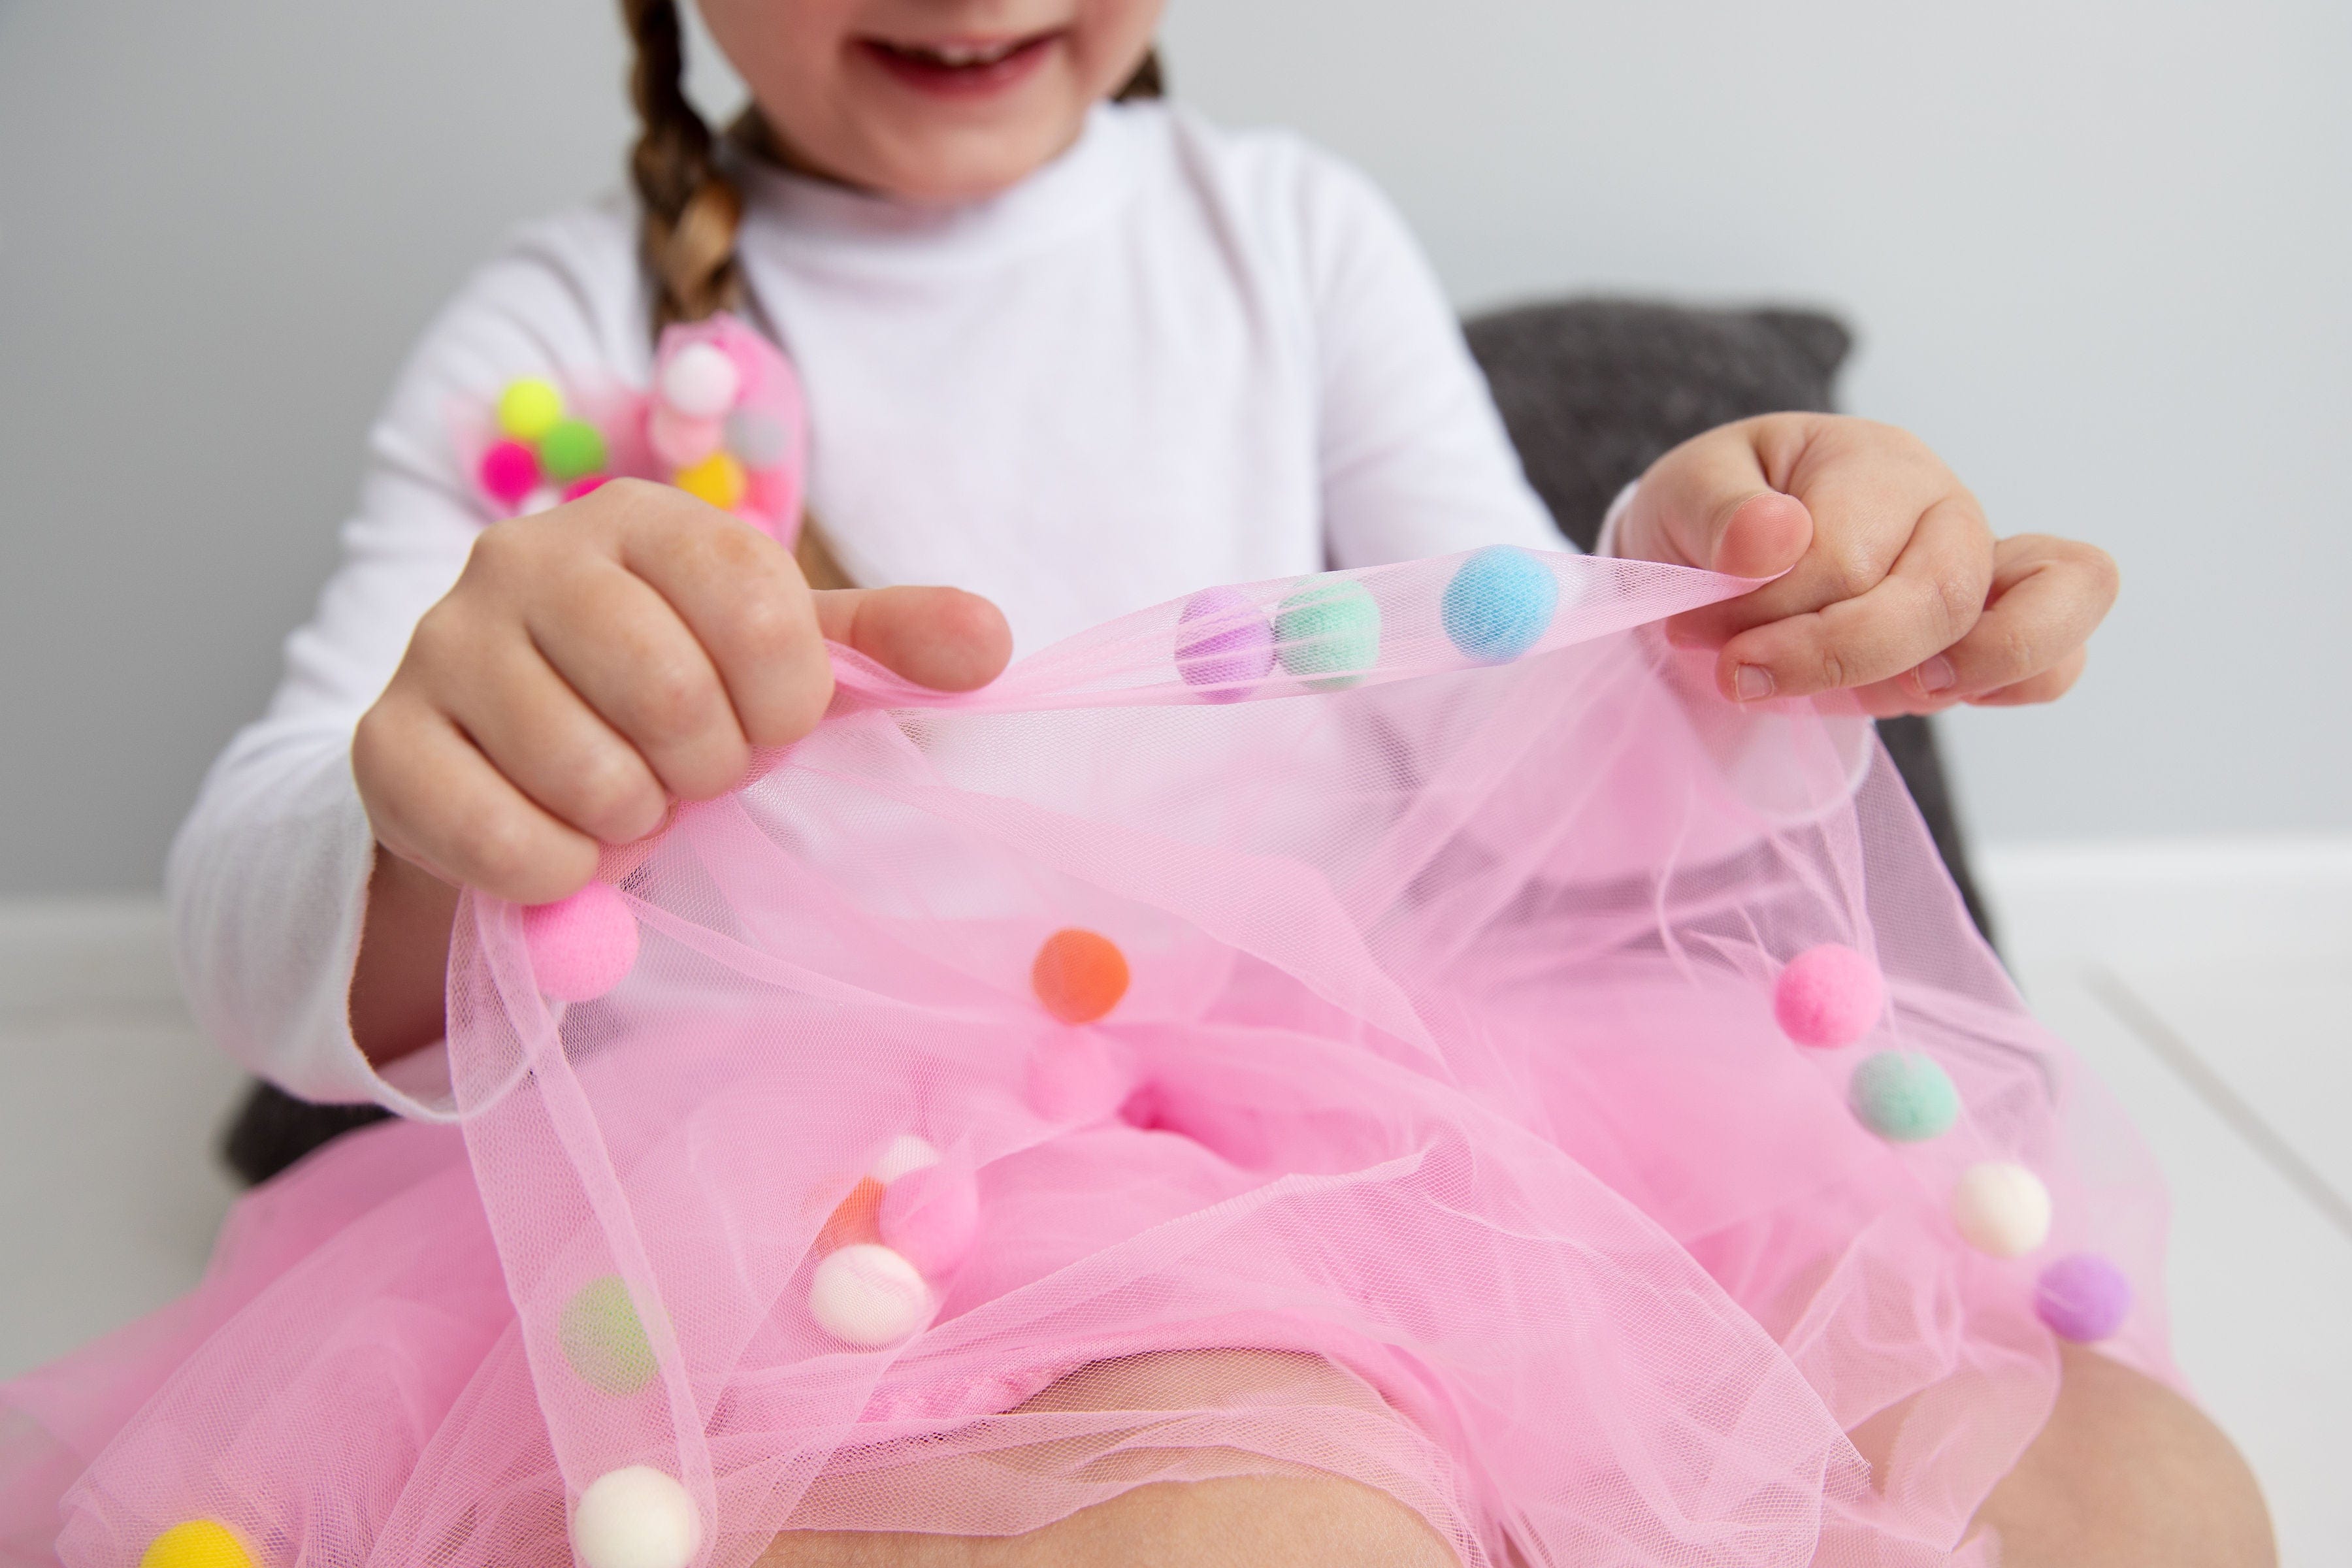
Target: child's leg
x=2127, y=1474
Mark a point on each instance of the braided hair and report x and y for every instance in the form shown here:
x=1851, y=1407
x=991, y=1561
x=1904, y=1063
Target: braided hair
x=689, y=209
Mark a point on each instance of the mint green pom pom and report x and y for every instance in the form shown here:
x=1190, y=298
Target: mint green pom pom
x=571, y=450
x=1903, y=1097
x=603, y=1339
x=1328, y=633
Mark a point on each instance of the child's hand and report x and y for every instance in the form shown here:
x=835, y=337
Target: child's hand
x=599, y=660
x=1896, y=585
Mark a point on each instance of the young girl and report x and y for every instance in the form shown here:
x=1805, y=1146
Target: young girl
x=1076, y=352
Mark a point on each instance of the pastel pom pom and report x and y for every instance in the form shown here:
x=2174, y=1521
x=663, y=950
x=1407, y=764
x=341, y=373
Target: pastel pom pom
x=700, y=382
x=1828, y=995
x=528, y=408
x=1329, y=628
x=854, y=1219
x=197, y=1543
x=586, y=486
x=2001, y=1209
x=868, y=1295
x=902, y=1155
x=929, y=1217
x=1500, y=604
x=583, y=946
x=757, y=441
x=1230, y=644
x=571, y=450
x=635, y=1517
x=681, y=442
x=718, y=478
x=1079, y=975
x=1076, y=1082
x=2082, y=1297
x=1903, y=1097
x=509, y=471
x=603, y=1339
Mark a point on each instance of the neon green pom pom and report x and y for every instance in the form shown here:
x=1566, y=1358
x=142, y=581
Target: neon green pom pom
x=528, y=408
x=604, y=1340
x=571, y=449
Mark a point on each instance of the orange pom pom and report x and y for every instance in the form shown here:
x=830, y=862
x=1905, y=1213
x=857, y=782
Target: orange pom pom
x=718, y=478
x=1078, y=975
x=858, y=1217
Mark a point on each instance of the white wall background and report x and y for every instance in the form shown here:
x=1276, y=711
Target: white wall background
x=2097, y=253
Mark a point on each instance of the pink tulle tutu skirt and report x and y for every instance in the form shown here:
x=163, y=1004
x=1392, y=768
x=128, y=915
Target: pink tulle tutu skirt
x=1394, y=1024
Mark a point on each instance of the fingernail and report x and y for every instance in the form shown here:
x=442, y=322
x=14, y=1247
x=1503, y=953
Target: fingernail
x=1751, y=682
x=1936, y=674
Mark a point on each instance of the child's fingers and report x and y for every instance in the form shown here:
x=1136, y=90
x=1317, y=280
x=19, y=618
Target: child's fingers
x=622, y=647
x=434, y=800
x=1927, y=600
x=2047, y=687
x=743, y=597
x=1709, y=503
x=944, y=638
x=538, y=733
x=2047, y=596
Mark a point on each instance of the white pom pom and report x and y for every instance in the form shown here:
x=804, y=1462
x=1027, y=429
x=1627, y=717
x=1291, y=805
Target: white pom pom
x=904, y=1153
x=635, y=1517
x=2001, y=1209
x=542, y=498
x=700, y=382
x=867, y=1294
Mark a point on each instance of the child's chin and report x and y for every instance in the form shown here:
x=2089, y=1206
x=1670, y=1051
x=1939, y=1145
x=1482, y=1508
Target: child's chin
x=962, y=163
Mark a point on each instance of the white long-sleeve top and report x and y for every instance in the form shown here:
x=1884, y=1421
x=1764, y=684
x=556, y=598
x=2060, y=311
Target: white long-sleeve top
x=1174, y=356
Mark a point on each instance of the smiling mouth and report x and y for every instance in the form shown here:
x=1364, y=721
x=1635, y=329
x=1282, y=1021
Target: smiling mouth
x=960, y=66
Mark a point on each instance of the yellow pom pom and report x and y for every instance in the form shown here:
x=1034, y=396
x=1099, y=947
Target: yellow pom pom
x=718, y=478
x=198, y=1543
x=528, y=408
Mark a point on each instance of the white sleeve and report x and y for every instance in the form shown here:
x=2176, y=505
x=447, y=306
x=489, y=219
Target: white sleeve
x=267, y=879
x=1414, y=459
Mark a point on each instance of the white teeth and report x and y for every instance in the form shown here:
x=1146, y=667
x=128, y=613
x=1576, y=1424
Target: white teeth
x=966, y=54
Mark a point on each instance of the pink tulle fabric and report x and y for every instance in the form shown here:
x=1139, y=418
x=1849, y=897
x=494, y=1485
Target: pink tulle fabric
x=1441, y=1136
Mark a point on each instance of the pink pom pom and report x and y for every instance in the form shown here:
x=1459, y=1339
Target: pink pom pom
x=1828, y=995
x=1077, y=1081
x=586, y=484
x=929, y=1216
x=509, y=471
x=583, y=946
x=681, y=442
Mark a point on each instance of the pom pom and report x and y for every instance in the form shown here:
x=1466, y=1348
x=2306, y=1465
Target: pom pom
x=902, y=1155
x=2001, y=1209
x=718, y=478
x=1828, y=995
x=1329, y=628
x=1078, y=975
x=868, y=1295
x=197, y=1543
x=635, y=1517
x=1500, y=604
x=542, y=498
x=509, y=471
x=583, y=946
x=1903, y=1097
x=1076, y=1082
x=1230, y=648
x=853, y=1219
x=528, y=408
x=603, y=1339
x=700, y=382
x=571, y=450
x=587, y=485
x=929, y=1216
x=681, y=442
x=2082, y=1297
x=756, y=438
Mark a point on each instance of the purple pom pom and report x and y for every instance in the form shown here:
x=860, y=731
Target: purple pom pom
x=1232, y=652
x=2082, y=1297
x=929, y=1216
x=583, y=946
x=1828, y=995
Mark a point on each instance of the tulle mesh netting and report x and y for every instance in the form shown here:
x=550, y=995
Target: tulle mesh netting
x=1339, y=1027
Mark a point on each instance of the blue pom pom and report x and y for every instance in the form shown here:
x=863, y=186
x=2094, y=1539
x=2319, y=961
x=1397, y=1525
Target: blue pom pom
x=1903, y=1097
x=1500, y=604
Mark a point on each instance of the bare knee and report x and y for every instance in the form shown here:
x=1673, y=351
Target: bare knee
x=2128, y=1474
